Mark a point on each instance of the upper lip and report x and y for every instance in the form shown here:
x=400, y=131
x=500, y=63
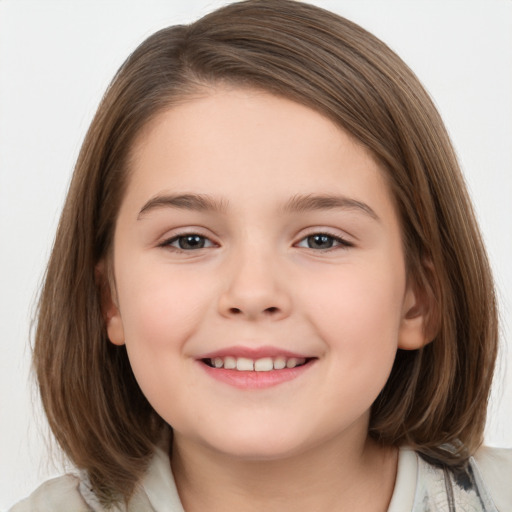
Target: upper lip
x=253, y=353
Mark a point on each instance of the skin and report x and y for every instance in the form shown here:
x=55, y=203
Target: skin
x=258, y=281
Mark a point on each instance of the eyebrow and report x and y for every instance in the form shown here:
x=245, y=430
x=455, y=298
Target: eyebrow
x=197, y=202
x=304, y=203
x=297, y=204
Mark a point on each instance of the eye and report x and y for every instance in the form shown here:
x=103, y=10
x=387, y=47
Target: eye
x=188, y=242
x=323, y=241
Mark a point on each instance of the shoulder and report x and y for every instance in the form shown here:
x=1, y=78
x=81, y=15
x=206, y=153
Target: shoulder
x=494, y=466
x=484, y=485
x=71, y=493
x=57, y=495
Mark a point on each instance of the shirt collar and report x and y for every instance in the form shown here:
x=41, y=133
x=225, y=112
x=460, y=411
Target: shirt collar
x=159, y=485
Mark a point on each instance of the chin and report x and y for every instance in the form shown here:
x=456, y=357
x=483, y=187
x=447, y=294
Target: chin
x=260, y=445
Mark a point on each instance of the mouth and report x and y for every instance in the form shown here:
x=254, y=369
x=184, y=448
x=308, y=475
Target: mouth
x=263, y=364
x=257, y=372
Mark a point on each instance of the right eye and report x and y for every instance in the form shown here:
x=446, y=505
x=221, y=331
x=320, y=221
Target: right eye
x=188, y=242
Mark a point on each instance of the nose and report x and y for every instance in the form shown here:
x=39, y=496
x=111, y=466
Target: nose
x=255, y=289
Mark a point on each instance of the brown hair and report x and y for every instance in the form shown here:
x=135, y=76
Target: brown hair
x=436, y=396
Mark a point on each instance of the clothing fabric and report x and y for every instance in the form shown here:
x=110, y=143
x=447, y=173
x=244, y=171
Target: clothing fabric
x=486, y=486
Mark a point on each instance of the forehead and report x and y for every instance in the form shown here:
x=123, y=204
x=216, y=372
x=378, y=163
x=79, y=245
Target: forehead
x=250, y=145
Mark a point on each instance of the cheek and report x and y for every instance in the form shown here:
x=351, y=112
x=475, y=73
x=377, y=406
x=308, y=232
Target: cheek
x=160, y=313
x=159, y=306
x=357, y=313
x=357, y=298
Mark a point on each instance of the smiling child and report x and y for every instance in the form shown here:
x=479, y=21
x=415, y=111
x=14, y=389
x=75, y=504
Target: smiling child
x=268, y=290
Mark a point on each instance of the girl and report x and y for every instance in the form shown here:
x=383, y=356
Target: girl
x=268, y=290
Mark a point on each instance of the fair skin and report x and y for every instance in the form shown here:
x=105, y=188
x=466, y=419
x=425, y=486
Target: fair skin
x=254, y=229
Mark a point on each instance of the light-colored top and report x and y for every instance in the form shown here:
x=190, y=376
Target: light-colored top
x=486, y=486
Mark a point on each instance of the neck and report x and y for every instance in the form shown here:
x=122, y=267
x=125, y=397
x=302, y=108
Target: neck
x=332, y=477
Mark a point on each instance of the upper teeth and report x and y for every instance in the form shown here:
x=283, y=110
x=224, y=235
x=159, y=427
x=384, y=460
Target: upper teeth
x=265, y=364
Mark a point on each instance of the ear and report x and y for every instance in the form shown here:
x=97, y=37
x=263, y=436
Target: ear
x=109, y=305
x=419, y=323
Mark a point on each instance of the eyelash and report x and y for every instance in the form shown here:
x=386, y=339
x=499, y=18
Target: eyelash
x=168, y=243
x=339, y=241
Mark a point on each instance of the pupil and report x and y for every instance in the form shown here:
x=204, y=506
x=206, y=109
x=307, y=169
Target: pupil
x=320, y=241
x=191, y=242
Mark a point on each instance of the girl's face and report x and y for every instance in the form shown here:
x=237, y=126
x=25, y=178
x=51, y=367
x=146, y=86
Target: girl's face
x=255, y=233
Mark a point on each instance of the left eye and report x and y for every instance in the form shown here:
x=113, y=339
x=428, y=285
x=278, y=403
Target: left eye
x=322, y=241
x=188, y=242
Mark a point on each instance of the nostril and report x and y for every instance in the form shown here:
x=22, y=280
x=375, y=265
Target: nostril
x=268, y=311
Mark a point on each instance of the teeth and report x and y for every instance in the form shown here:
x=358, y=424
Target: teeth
x=291, y=363
x=244, y=365
x=279, y=363
x=229, y=363
x=265, y=364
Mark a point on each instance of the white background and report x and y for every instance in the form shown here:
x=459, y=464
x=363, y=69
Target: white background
x=56, y=59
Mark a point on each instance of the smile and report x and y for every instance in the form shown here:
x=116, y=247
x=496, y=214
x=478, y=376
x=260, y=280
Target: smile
x=247, y=369
x=264, y=364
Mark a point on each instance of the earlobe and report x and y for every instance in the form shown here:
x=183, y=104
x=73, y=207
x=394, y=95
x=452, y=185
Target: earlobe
x=109, y=307
x=416, y=328
x=114, y=324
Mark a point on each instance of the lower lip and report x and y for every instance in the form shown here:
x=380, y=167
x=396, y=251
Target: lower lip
x=256, y=380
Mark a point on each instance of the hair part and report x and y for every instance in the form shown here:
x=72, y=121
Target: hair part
x=435, y=397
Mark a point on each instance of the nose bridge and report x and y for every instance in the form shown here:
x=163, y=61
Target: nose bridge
x=254, y=286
